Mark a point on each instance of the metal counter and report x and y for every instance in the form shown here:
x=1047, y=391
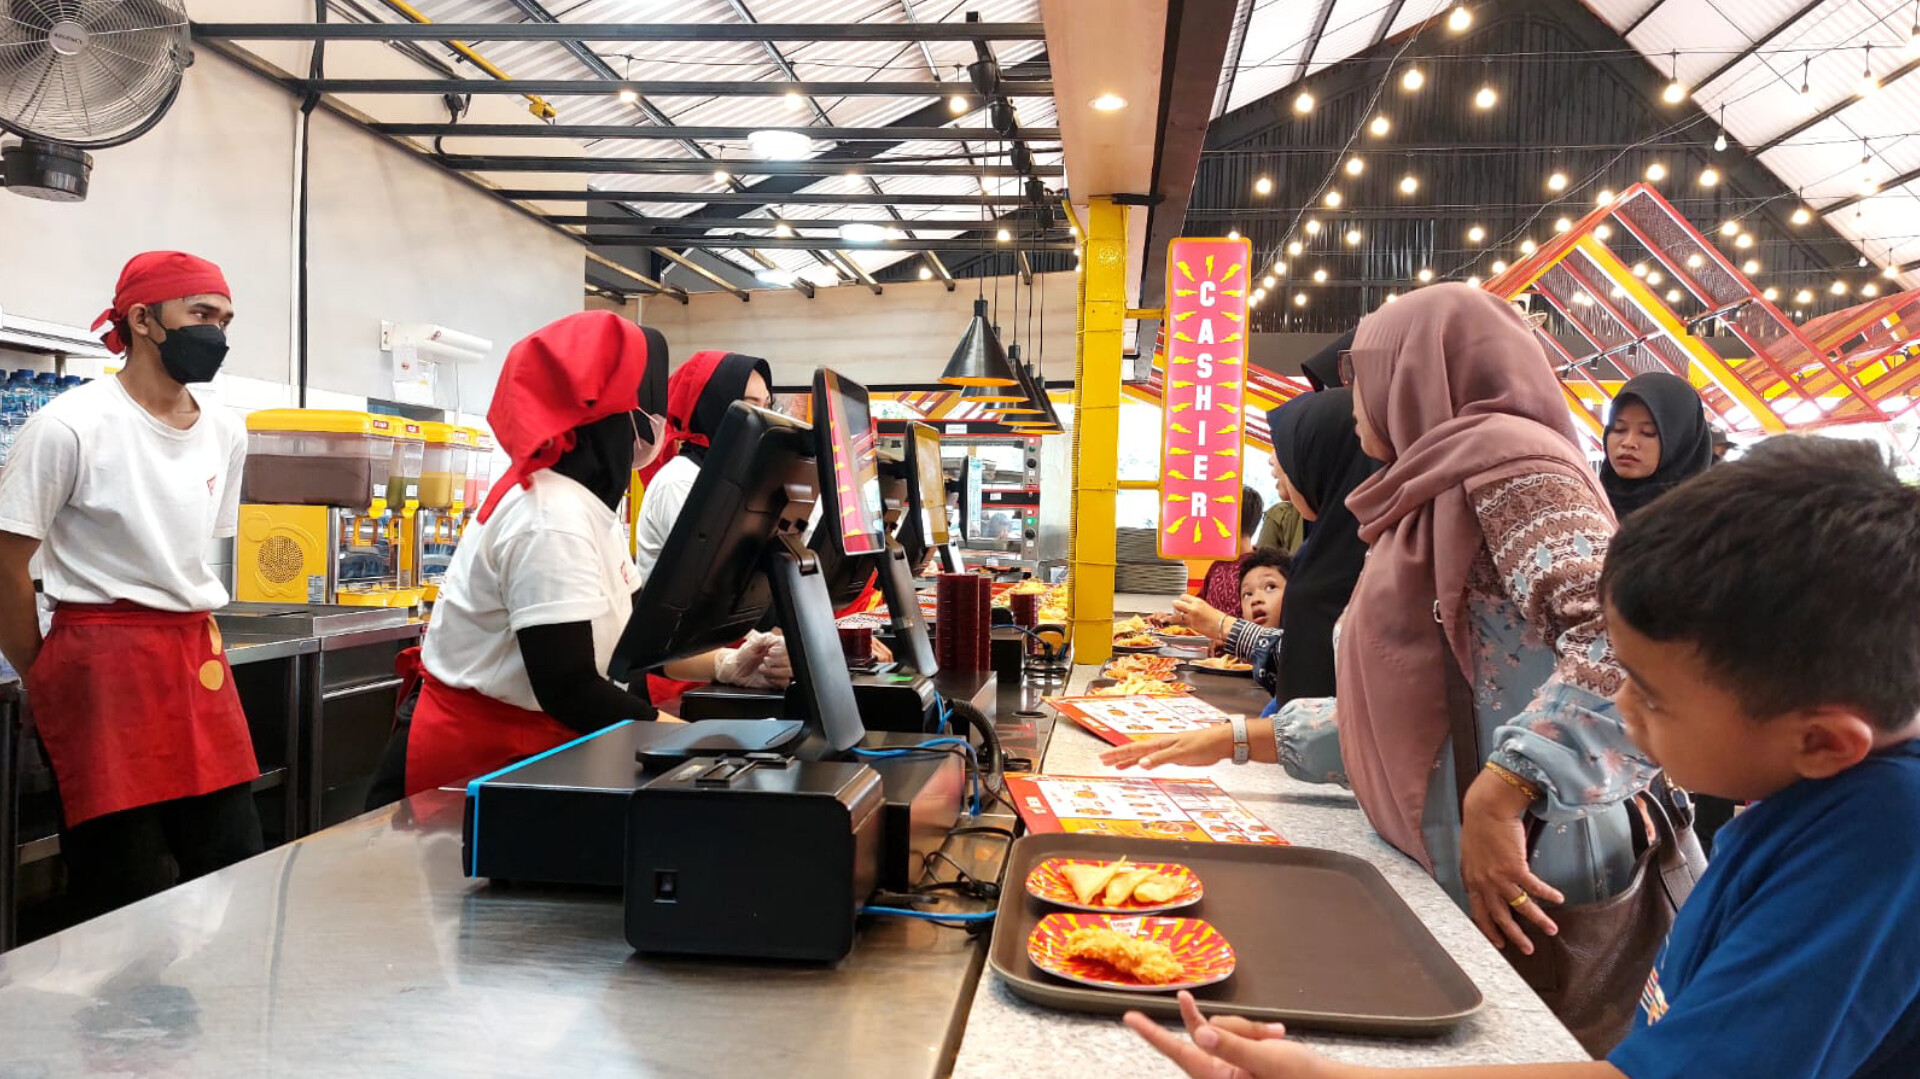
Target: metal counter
x=361, y=950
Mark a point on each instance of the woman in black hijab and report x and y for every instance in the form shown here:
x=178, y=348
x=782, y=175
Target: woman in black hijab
x=1657, y=437
x=1318, y=463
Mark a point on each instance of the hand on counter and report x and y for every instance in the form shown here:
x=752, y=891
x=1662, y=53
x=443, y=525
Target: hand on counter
x=1199, y=748
x=1230, y=1047
x=1493, y=864
x=1198, y=614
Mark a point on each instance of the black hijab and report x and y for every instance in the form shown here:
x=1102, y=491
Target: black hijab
x=1686, y=439
x=1322, y=369
x=1318, y=448
x=727, y=384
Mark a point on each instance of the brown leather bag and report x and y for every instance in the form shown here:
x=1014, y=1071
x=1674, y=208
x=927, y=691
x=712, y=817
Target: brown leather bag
x=1591, y=973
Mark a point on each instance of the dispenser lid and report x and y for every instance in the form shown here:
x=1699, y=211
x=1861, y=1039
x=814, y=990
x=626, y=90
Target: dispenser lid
x=315, y=420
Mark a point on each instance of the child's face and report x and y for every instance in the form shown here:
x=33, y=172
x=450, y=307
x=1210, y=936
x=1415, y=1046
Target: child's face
x=1681, y=717
x=1260, y=592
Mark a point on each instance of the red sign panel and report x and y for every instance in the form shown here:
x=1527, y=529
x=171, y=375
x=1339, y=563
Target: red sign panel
x=1203, y=397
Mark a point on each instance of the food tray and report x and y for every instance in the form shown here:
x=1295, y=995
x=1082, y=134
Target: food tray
x=1108, y=683
x=1188, y=667
x=1323, y=940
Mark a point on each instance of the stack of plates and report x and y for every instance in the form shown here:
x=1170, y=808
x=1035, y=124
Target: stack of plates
x=1141, y=569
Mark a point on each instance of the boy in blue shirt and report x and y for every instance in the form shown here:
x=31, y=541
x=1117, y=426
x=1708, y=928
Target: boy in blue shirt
x=1768, y=616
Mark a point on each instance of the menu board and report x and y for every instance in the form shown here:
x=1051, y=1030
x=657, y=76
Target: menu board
x=1204, y=397
x=1141, y=807
x=1120, y=720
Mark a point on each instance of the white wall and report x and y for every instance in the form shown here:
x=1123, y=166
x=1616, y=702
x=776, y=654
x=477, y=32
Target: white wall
x=904, y=335
x=390, y=237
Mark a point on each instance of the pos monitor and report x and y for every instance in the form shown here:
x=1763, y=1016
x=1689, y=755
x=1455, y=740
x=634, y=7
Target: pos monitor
x=925, y=527
x=734, y=554
x=852, y=540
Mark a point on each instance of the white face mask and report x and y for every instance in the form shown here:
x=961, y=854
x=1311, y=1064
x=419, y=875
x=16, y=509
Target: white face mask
x=645, y=452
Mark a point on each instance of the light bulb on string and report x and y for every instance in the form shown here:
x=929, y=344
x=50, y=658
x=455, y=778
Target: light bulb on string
x=1863, y=262
x=1413, y=79
x=1409, y=184
x=1425, y=275
x=1868, y=84
x=1709, y=176
x=1528, y=247
x=1299, y=299
x=1295, y=247
x=1312, y=226
x=1656, y=172
x=1380, y=126
x=1694, y=260
x=1869, y=290
x=1639, y=269
x=1332, y=199
x=1803, y=297
x=1563, y=225
x=1654, y=277
x=1673, y=295
x=1474, y=281
x=1267, y=281
x=1729, y=227
x=1839, y=288
x=1320, y=277
x=1355, y=166
x=1557, y=182
x=1802, y=215
x=1459, y=19
x=1486, y=98
x=1263, y=186
x=1279, y=269
x=1743, y=241
x=1392, y=296
x=1750, y=267
x=1232, y=234
x=1353, y=237
x=956, y=104
x=1806, y=69
x=1676, y=91
x=1499, y=266
x=1603, y=232
x=1476, y=234
x=926, y=274
x=1771, y=294
x=1604, y=198
x=1304, y=103
x=1891, y=273
x=1720, y=139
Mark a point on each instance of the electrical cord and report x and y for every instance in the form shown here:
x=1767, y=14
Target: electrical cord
x=933, y=745
x=939, y=917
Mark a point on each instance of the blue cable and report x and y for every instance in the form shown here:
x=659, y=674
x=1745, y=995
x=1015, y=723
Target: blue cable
x=929, y=915
x=930, y=744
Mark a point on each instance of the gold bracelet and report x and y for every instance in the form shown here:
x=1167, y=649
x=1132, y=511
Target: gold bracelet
x=1517, y=783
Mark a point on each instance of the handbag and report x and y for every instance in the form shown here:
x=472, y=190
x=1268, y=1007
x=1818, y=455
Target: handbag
x=1592, y=973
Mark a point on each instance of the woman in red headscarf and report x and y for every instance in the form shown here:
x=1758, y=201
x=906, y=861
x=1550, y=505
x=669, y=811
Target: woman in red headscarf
x=118, y=486
x=698, y=396
x=541, y=585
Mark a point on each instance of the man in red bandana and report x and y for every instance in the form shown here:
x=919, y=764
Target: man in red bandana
x=119, y=485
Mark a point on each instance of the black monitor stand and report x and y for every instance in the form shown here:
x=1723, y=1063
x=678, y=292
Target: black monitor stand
x=950, y=559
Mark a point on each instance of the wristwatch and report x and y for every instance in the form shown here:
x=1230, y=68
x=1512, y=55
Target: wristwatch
x=1242, y=752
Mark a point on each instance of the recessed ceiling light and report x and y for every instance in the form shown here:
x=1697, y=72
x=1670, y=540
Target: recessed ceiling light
x=1108, y=103
x=780, y=145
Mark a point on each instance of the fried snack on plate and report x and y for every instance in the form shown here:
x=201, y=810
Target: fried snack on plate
x=1160, y=667
x=1136, y=624
x=1156, y=888
x=1088, y=879
x=1223, y=663
x=1120, y=888
x=1149, y=962
x=1179, y=631
x=1134, y=685
x=1136, y=640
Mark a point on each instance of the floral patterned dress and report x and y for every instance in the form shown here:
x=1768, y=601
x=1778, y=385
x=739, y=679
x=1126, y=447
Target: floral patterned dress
x=1543, y=678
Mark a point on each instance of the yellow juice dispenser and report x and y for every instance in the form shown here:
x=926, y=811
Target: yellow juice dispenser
x=399, y=527
x=443, y=475
x=309, y=496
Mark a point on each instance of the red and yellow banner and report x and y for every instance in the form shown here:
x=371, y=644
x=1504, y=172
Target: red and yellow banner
x=1204, y=398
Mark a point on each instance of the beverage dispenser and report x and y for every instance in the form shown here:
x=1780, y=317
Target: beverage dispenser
x=311, y=495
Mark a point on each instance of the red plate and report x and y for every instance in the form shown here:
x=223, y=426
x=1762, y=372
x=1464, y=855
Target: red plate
x=1048, y=883
x=1199, y=947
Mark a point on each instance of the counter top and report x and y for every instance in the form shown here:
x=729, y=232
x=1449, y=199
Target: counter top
x=1006, y=1035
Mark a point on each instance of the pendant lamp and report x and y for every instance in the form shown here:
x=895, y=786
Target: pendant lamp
x=980, y=360
x=1028, y=407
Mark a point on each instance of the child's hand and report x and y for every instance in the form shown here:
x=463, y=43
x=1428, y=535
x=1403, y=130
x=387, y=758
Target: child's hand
x=1231, y=1047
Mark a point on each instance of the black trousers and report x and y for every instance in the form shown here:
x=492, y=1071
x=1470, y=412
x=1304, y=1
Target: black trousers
x=118, y=858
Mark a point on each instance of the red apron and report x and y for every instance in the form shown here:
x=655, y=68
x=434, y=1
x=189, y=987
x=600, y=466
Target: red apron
x=137, y=706
x=458, y=734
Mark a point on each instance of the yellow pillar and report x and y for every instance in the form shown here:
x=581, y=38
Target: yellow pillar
x=1096, y=429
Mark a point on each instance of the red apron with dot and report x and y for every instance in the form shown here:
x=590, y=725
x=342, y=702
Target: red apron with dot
x=137, y=706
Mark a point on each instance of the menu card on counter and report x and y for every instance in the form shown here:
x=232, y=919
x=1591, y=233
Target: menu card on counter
x=1138, y=806
x=1120, y=720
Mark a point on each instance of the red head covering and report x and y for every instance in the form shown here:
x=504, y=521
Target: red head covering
x=565, y=375
x=726, y=374
x=156, y=277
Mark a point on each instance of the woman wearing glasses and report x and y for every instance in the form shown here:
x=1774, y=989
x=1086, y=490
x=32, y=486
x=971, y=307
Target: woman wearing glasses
x=1476, y=624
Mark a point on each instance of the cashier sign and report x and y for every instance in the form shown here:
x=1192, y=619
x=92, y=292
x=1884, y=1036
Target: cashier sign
x=1203, y=393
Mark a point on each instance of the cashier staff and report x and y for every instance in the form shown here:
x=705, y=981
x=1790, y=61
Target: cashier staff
x=119, y=486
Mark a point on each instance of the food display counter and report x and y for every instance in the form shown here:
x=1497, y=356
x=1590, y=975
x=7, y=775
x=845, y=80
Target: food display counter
x=362, y=949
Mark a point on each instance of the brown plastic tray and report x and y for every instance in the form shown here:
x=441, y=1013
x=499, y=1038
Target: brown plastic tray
x=1320, y=939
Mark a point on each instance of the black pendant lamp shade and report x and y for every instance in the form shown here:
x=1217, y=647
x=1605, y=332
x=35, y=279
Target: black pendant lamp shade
x=980, y=360
x=1029, y=406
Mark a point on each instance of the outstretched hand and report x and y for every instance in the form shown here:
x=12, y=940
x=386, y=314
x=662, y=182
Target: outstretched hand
x=1230, y=1047
x=1210, y=745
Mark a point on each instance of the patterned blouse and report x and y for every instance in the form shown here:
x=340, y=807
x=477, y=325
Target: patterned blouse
x=1543, y=678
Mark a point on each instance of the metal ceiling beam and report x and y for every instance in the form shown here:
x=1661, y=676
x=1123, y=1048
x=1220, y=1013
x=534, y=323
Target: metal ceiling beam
x=701, y=221
x=658, y=88
x=1195, y=52
x=753, y=198
x=693, y=267
x=623, y=31
x=678, y=133
x=804, y=243
x=1899, y=181
x=650, y=166
x=1835, y=109
x=858, y=273
x=1640, y=18
x=1313, y=41
x=1765, y=40
x=653, y=283
x=1236, y=44
x=798, y=284
x=1386, y=24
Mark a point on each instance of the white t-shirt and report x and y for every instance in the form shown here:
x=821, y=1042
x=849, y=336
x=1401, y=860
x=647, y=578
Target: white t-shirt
x=659, y=507
x=122, y=504
x=549, y=554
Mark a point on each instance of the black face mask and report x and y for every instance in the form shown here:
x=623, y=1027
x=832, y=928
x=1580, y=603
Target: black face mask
x=193, y=353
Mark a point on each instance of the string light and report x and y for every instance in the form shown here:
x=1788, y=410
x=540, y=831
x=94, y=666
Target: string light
x=1863, y=262
x=1676, y=91
x=1528, y=247
x=1603, y=232
x=1709, y=176
x=1673, y=295
x=1743, y=241
x=1563, y=225
x=1476, y=234
x=1486, y=98
x=1802, y=215
x=1839, y=288
x=1425, y=275
x=1750, y=267
x=1409, y=184
x=1656, y=172
x=1258, y=295
x=1413, y=79
x=1332, y=199
x=1639, y=269
x=956, y=104
x=1006, y=237
x=1355, y=166
x=1891, y=273
x=1320, y=277
x=1296, y=247
x=1803, y=297
x=1299, y=299
x=1694, y=260
x=1869, y=290
x=1869, y=186
x=926, y=274
x=1280, y=269
x=1654, y=277
x=1605, y=197
x=1771, y=294
x=1729, y=228
x=1499, y=266
x=1392, y=296
x=1313, y=226
x=1806, y=68
x=1304, y=103
x=1868, y=84
x=1267, y=281
x=1473, y=282
x=628, y=96
x=1353, y=237
x=783, y=230
x=1263, y=186
x=1460, y=19
x=1380, y=126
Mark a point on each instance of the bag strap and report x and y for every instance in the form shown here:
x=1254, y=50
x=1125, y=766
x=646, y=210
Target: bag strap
x=1680, y=859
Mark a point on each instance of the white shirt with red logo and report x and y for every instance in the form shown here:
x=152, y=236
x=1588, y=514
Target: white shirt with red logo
x=123, y=505
x=549, y=554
